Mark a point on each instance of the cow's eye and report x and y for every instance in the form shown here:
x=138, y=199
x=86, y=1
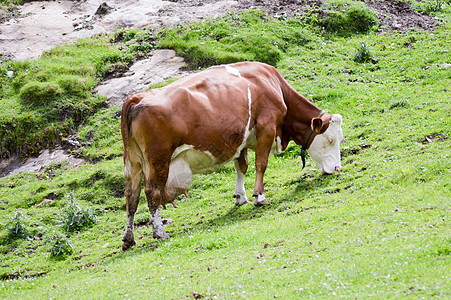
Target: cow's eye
x=331, y=141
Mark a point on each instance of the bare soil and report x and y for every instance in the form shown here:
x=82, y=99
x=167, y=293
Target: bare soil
x=393, y=15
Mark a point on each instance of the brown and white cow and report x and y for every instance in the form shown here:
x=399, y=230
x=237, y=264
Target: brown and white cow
x=199, y=123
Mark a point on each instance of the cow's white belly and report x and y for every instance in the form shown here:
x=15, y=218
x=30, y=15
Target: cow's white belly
x=179, y=178
x=185, y=162
x=198, y=161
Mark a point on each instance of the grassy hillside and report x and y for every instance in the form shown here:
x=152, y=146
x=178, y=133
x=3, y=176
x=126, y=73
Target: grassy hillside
x=378, y=228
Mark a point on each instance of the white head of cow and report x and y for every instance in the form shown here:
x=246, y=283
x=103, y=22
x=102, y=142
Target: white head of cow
x=325, y=148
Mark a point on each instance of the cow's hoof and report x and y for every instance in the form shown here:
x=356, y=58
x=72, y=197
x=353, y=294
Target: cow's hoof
x=240, y=199
x=128, y=244
x=260, y=200
x=161, y=236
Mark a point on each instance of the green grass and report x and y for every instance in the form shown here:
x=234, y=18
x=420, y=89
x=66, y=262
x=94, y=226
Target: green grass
x=236, y=37
x=380, y=228
x=46, y=99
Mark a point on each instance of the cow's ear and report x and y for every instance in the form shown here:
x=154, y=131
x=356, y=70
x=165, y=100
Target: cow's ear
x=318, y=126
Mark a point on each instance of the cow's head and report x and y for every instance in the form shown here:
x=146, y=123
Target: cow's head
x=325, y=147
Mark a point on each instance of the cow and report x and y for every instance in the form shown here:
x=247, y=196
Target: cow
x=200, y=122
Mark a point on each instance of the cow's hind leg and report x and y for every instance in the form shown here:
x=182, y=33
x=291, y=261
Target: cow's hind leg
x=240, y=165
x=155, y=188
x=157, y=225
x=133, y=175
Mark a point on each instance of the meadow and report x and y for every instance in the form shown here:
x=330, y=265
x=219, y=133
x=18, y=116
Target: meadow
x=379, y=228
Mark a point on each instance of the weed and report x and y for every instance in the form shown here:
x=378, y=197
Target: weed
x=399, y=103
x=75, y=217
x=430, y=6
x=60, y=246
x=364, y=54
x=17, y=227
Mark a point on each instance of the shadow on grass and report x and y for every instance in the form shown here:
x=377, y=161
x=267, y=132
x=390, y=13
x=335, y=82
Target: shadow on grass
x=297, y=190
x=300, y=189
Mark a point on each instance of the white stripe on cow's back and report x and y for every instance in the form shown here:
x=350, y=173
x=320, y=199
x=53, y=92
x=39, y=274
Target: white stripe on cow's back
x=233, y=70
x=247, y=131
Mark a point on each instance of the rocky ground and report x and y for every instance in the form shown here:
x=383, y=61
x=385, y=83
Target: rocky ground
x=39, y=26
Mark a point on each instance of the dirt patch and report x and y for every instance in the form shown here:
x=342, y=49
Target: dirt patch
x=435, y=137
x=397, y=15
x=393, y=15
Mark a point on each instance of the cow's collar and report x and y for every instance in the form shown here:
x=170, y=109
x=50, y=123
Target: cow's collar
x=307, y=139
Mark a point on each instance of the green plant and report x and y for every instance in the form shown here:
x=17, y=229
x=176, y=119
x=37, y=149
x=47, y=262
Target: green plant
x=40, y=92
x=249, y=35
x=364, y=54
x=60, y=246
x=348, y=17
x=399, y=103
x=17, y=227
x=44, y=100
x=76, y=217
x=434, y=5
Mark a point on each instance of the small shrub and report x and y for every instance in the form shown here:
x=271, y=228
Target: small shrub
x=430, y=6
x=364, y=54
x=348, y=17
x=17, y=227
x=75, y=217
x=60, y=246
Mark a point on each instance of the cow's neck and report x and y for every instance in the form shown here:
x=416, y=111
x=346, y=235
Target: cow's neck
x=297, y=122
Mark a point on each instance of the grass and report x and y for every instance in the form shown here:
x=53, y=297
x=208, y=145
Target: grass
x=380, y=228
x=236, y=37
x=45, y=100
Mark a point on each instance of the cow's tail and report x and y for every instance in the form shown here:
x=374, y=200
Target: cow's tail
x=126, y=120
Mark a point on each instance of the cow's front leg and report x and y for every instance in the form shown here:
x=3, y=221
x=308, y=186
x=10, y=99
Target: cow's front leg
x=240, y=165
x=265, y=138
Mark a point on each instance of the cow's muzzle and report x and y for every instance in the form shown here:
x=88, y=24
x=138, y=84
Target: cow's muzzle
x=335, y=170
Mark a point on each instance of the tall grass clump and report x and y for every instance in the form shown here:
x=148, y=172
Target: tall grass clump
x=430, y=6
x=75, y=217
x=347, y=17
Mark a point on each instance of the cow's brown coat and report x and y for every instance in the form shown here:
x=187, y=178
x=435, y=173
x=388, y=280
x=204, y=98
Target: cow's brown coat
x=209, y=111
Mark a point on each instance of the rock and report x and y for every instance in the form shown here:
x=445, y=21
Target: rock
x=103, y=9
x=163, y=64
x=15, y=165
x=67, y=21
